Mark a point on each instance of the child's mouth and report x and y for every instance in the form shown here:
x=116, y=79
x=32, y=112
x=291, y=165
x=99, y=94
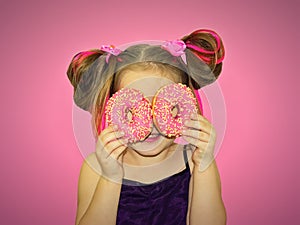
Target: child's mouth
x=152, y=138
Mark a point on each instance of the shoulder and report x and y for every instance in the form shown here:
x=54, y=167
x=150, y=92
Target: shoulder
x=91, y=163
x=87, y=183
x=88, y=178
x=90, y=171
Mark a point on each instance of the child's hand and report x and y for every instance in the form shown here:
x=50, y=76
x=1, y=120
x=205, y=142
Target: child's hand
x=199, y=132
x=109, y=151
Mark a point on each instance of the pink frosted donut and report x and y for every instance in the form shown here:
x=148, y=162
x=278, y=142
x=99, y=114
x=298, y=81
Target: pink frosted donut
x=131, y=112
x=172, y=106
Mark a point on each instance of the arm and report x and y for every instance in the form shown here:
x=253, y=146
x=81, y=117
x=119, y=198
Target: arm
x=97, y=198
x=205, y=200
x=100, y=181
x=206, y=206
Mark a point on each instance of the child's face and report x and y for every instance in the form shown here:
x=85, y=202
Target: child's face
x=149, y=83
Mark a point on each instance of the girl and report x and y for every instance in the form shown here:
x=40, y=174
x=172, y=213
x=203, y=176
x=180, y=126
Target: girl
x=159, y=180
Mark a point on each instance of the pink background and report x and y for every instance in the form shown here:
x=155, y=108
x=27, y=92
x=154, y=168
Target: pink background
x=40, y=160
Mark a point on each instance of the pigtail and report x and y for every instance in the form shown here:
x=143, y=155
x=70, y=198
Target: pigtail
x=80, y=63
x=81, y=83
x=204, y=56
x=91, y=74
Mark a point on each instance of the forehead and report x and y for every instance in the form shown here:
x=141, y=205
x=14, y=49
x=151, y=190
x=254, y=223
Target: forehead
x=146, y=81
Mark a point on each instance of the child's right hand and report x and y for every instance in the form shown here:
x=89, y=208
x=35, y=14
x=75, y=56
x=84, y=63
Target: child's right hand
x=109, y=152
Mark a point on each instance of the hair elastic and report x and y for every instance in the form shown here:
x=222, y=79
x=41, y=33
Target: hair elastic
x=175, y=47
x=111, y=50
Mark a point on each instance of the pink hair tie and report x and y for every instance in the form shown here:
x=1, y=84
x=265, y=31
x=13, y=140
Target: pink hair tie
x=176, y=47
x=111, y=50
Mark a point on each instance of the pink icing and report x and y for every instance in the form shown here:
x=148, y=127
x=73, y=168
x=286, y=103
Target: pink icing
x=170, y=96
x=131, y=112
x=180, y=140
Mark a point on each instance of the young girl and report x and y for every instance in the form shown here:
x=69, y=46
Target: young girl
x=158, y=179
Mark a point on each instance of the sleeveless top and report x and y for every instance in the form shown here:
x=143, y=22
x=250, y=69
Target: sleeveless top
x=163, y=202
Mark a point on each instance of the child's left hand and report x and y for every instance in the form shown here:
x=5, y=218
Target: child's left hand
x=199, y=132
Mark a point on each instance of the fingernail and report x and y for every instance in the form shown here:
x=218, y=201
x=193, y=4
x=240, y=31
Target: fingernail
x=122, y=133
x=115, y=127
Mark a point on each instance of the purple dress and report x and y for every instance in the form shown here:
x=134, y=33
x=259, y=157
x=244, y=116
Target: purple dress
x=164, y=202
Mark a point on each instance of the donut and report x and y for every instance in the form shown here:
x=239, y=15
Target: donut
x=173, y=104
x=131, y=112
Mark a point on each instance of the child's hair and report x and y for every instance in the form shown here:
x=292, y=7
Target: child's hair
x=95, y=79
x=78, y=66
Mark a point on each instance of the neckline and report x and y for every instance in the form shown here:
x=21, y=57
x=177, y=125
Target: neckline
x=128, y=182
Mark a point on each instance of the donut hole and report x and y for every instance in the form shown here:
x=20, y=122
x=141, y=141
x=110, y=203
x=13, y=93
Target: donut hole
x=129, y=115
x=175, y=111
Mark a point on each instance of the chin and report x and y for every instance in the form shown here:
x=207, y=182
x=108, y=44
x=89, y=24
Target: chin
x=149, y=153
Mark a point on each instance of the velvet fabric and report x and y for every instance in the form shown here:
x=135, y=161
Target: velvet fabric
x=164, y=202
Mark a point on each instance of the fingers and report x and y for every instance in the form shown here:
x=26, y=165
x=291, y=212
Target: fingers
x=198, y=127
x=109, y=137
x=109, y=129
x=113, y=146
x=196, y=142
x=199, y=132
x=111, y=143
x=117, y=152
x=198, y=122
x=109, y=134
x=196, y=134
